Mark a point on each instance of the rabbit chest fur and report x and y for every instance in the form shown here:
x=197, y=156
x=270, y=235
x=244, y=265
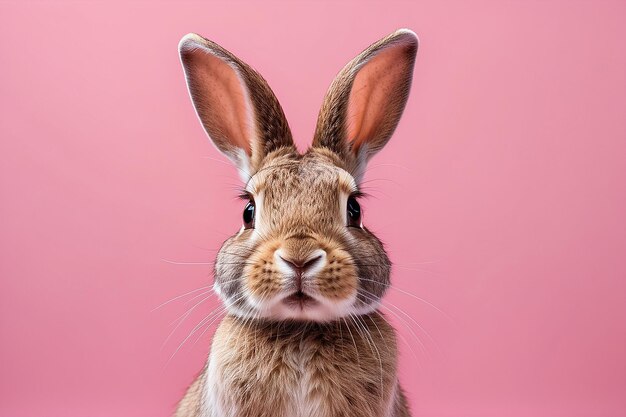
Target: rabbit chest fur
x=342, y=369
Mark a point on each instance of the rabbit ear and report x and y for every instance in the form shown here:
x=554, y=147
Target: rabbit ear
x=365, y=101
x=237, y=108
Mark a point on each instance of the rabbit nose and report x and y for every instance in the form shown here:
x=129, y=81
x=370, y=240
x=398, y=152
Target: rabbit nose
x=300, y=266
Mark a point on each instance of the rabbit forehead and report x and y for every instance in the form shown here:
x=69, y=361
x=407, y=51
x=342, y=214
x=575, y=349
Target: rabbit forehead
x=291, y=177
x=308, y=190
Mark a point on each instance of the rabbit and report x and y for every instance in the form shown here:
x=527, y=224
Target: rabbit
x=303, y=278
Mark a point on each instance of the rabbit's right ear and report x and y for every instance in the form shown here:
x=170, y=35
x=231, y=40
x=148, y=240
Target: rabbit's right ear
x=237, y=108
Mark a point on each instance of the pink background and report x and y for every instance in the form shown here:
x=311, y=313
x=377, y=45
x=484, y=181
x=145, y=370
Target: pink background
x=502, y=197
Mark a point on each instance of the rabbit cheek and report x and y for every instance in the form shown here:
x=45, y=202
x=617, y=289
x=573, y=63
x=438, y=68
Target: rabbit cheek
x=262, y=276
x=338, y=280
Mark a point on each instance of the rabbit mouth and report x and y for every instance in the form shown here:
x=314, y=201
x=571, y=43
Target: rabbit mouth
x=299, y=299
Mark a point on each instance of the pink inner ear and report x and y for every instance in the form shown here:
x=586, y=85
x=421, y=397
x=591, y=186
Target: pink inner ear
x=222, y=101
x=374, y=94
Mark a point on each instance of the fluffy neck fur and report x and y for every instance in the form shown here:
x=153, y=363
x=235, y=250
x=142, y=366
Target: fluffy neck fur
x=290, y=369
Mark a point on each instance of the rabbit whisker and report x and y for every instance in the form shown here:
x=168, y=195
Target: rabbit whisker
x=182, y=318
x=356, y=350
x=402, y=320
x=393, y=287
x=368, y=338
x=180, y=296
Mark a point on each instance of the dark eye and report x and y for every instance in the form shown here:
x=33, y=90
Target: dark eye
x=354, y=212
x=248, y=215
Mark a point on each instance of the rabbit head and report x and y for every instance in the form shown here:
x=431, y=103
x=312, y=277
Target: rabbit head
x=302, y=252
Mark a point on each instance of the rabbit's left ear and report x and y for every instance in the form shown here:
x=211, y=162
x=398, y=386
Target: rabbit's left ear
x=236, y=107
x=365, y=101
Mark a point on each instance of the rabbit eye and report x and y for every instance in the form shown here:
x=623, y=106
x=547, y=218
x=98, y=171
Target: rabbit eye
x=248, y=215
x=354, y=212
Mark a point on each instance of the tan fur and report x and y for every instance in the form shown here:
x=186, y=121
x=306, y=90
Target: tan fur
x=303, y=336
x=192, y=403
x=344, y=369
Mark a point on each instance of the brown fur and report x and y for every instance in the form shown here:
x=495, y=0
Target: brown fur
x=347, y=367
x=192, y=403
x=335, y=355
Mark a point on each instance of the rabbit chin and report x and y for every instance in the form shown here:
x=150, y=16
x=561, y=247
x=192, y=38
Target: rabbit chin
x=313, y=308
